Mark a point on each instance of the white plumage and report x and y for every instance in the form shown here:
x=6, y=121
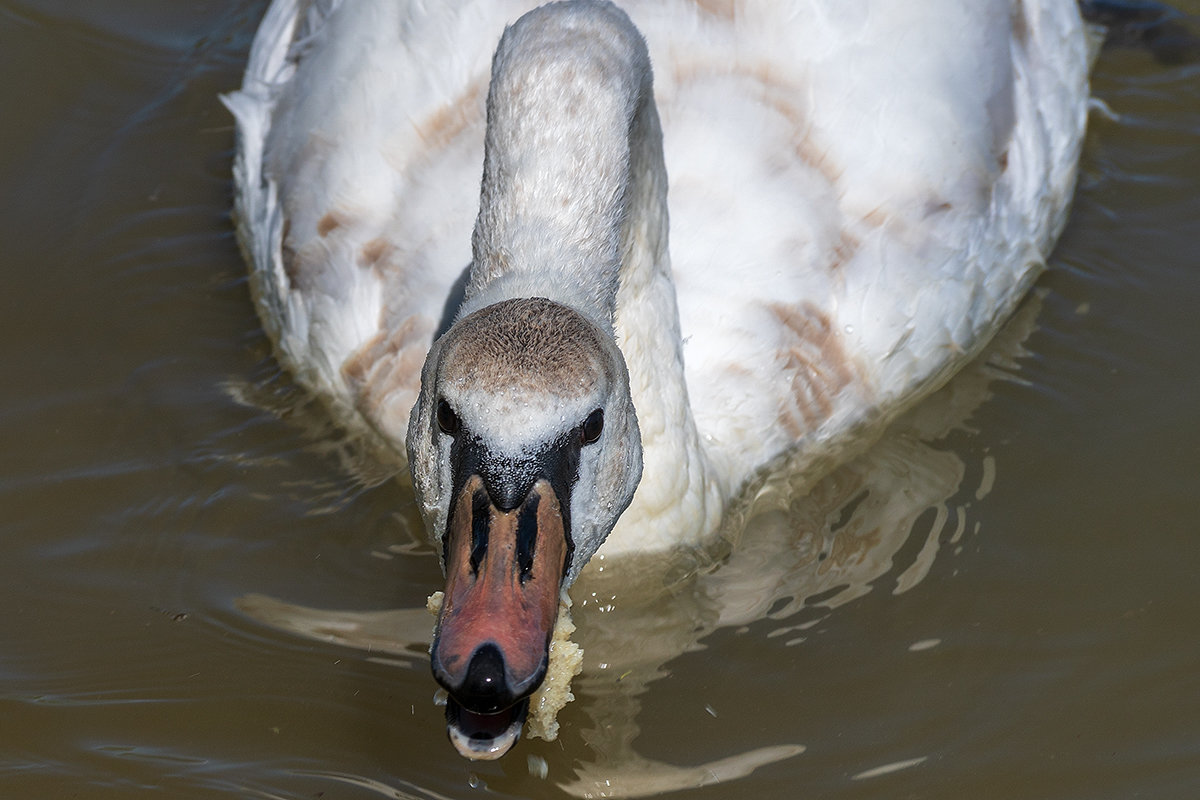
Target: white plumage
x=569, y=354
x=859, y=193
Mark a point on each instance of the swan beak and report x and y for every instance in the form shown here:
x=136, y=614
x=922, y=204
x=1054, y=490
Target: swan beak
x=504, y=569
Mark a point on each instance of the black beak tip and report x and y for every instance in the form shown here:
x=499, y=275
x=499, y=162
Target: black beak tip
x=485, y=688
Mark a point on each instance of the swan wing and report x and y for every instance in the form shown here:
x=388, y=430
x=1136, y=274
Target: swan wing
x=860, y=193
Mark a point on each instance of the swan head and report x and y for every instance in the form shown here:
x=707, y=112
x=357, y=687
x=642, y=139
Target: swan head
x=524, y=449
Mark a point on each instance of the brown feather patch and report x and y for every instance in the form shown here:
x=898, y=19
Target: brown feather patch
x=815, y=364
x=529, y=344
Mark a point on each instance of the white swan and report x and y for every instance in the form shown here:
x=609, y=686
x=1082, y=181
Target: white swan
x=860, y=192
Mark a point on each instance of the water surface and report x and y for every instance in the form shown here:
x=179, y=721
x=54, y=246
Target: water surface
x=997, y=601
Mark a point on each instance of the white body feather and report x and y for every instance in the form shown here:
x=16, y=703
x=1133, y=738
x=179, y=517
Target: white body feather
x=859, y=193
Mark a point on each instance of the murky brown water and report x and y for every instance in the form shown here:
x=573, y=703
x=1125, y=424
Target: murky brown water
x=997, y=601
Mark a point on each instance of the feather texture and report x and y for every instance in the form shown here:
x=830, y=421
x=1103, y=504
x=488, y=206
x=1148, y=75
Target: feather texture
x=859, y=193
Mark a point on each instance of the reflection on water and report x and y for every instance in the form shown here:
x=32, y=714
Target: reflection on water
x=803, y=548
x=992, y=602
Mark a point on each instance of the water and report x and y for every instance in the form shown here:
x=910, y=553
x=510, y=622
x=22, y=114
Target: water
x=205, y=593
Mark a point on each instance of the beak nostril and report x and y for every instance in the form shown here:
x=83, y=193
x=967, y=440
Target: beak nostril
x=485, y=689
x=480, y=518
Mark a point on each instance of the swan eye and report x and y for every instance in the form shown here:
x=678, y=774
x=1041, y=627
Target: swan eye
x=447, y=420
x=593, y=426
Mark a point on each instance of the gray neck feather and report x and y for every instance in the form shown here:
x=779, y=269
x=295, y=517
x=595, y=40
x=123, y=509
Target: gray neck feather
x=570, y=118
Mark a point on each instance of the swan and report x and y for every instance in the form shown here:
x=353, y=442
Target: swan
x=456, y=218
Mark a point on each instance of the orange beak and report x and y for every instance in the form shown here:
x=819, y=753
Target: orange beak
x=504, y=569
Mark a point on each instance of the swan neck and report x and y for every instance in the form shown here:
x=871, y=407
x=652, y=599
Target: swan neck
x=574, y=208
x=571, y=87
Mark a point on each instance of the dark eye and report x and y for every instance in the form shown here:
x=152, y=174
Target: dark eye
x=446, y=418
x=593, y=426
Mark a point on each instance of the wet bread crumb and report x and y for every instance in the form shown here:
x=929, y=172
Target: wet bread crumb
x=565, y=662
